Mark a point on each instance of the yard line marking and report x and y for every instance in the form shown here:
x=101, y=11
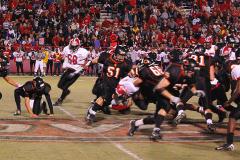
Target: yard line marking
x=119, y=146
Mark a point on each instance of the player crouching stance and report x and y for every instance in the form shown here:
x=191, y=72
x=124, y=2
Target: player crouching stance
x=34, y=90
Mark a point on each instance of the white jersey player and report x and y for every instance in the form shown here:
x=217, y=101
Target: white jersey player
x=124, y=90
x=210, y=50
x=76, y=57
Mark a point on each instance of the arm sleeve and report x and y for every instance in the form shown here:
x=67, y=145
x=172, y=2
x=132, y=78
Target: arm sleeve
x=27, y=88
x=47, y=95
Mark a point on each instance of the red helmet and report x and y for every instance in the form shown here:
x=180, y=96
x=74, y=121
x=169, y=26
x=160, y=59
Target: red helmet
x=74, y=44
x=120, y=90
x=226, y=52
x=208, y=42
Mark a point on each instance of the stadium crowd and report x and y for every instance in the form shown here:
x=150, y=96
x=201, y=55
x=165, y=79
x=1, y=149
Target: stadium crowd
x=160, y=24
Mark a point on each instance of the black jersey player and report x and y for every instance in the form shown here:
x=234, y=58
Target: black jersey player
x=34, y=90
x=116, y=66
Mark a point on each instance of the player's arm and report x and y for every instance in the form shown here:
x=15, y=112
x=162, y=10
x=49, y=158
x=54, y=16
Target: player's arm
x=161, y=87
x=235, y=93
x=27, y=100
x=10, y=81
x=212, y=75
x=137, y=82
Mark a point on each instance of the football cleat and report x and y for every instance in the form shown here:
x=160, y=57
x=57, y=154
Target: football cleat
x=222, y=116
x=58, y=102
x=226, y=147
x=18, y=112
x=106, y=110
x=178, y=119
x=211, y=127
x=44, y=107
x=156, y=134
x=89, y=118
x=132, y=128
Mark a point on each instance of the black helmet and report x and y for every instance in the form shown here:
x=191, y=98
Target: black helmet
x=120, y=50
x=3, y=62
x=38, y=83
x=230, y=39
x=199, y=49
x=190, y=64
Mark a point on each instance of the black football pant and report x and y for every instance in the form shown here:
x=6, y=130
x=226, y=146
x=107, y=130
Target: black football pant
x=37, y=108
x=202, y=83
x=32, y=63
x=66, y=81
x=49, y=65
x=57, y=66
x=106, y=93
x=19, y=64
x=97, y=87
x=219, y=94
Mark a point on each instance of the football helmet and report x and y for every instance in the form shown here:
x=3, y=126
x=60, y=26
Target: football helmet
x=225, y=52
x=199, y=49
x=121, y=90
x=230, y=40
x=120, y=53
x=38, y=83
x=190, y=64
x=208, y=42
x=3, y=62
x=74, y=44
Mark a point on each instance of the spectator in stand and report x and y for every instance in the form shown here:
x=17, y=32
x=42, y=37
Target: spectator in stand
x=57, y=62
x=56, y=40
x=6, y=25
x=18, y=60
x=107, y=7
x=106, y=23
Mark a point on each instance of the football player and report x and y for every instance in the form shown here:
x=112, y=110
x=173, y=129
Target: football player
x=231, y=67
x=116, y=66
x=235, y=112
x=164, y=91
x=34, y=90
x=76, y=60
x=206, y=74
x=210, y=50
x=3, y=72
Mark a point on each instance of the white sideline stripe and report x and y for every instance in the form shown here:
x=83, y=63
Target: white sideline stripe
x=119, y=146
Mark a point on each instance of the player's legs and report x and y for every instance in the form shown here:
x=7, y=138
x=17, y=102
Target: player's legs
x=64, y=83
x=17, y=93
x=36, y=106
x=21, y=65
x=37, y=64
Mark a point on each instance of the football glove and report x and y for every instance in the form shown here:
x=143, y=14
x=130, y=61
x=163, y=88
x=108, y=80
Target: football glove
x=199, y=93
x=175, y=100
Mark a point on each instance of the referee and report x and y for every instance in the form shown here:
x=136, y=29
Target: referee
x=39, y=56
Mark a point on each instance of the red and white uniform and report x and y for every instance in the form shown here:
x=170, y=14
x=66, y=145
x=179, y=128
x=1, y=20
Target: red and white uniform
x=130, y=89
x=232, y=55
x=75, y=59
x=18, y=57
x=210, y=52
x=236, y=72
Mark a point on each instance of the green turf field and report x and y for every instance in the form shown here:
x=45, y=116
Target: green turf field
x=76, y=105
